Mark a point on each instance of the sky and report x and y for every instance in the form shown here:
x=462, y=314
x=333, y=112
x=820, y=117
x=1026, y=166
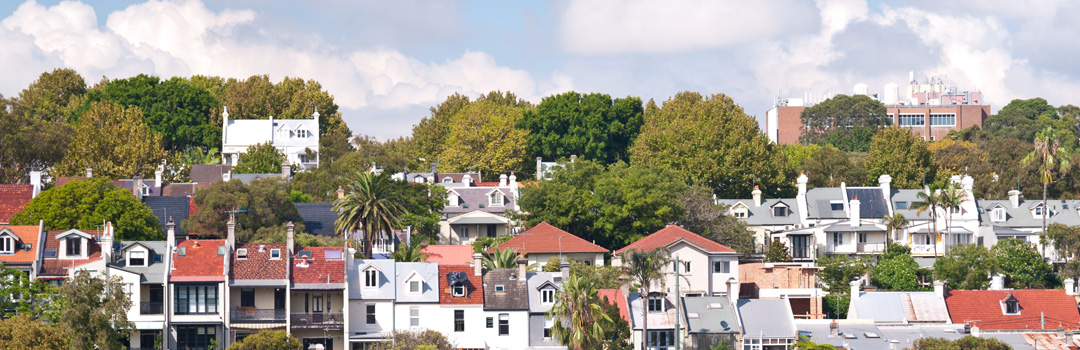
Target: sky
x=387, y=62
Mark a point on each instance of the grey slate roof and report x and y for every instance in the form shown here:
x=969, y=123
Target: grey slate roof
x=903, y=335
x=154, y=272
x=386, y=288
x=318, y=217
x=248, y=178
x=872, y=202
x=910, y=197
x=818, y=203
x=769, y=318
x=713, y=314
x=901, y=307
x=164, y=207
x=1062, y=211
x=476, y=198
x=426, y=271
x=512, y=297
x=537, y=280
x=208, y=173
x=762, y=215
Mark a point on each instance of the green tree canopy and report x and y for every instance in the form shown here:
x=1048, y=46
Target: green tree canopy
x=582, y=320
x=372, y=204
x=52, y=97
x=846, y=122
x=903, y=155
x=174, y=108
x=837, y=271
x=1022, y=265
x=1066, y=242
x=35, y=299
x=966, y=343
x=86, y=204
x=708, y=219
x=114, y=141
x=710, y=141
x=28, y=142
x=416, y=339
x=268, y=340
x=269, y=209
x=593, y=126
x=1020, y=119
x=483, y=138
x=896, y=270
x=24, y=332
x=95, y=312
x=429, y=137
x=828, y=167
x=966, y=266
x=262, y=158
x=778, y=252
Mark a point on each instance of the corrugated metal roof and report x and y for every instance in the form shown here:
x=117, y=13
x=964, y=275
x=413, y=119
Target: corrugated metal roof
x=769, y=318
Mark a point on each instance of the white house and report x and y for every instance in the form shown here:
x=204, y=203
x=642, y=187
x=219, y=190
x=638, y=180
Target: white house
x=705, y=267
x=296, y=138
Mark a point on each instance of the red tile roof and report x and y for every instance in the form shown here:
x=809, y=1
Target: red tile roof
x=12, y=200
x=28, y=234
x=258, y=265
x=615, y=296
x=474, y=295
x=318, y=269
x=201, y=261
x=57, y=267
x=545, y=238
x=984, y=308
x=671, y=234
x=448, y=254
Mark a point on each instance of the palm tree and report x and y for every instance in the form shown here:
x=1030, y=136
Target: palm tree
x=373, y=205
x=950, y=200
x=501, y=259
x=581, y=319
x=1050, y=155
x=408, y=253
x=930, y=201
x=893, y=223
x=647, y=269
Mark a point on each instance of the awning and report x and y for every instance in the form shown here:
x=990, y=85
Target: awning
x=802, y=232
x=860, y=228
x=149, y=325
x=477, y=220
x=1005, y=231
x=257, y=325
x=370, y=337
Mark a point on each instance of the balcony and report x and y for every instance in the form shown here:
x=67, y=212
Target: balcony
x=151, y=308
x=871, y=248
x=257, y=315
x=922, y=249
x=330, y=321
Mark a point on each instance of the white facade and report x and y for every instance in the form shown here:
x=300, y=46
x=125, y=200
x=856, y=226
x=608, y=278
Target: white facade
x=293, y=137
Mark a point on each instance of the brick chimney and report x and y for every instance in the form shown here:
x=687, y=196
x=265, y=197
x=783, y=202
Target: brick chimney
x=757, y=196
x=340, y=192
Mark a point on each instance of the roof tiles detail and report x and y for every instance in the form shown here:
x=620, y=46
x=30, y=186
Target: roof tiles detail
x=545, y=238
x=671, y=234
x=318, y=269
x=28, y=234
x=259, y=265
x=59, y=267
x=984, y=308
x=474, y=295
x=13, y=198
x=200, y=262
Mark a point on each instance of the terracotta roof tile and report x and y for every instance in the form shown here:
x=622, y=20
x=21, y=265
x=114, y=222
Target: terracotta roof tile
x=985, y=309
x=12, y=200
x=615, y=297
x=28, y=234
x=57, y=267
x=201, y=261
x=258, y=265
x=474, y=295
x=545, y=238
x=671, y=234
x=318, y=269
x=448, y=254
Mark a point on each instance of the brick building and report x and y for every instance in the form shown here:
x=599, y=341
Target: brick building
x=794, y=282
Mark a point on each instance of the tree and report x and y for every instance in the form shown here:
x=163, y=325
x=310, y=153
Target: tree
x=828, y=167
x=951, y=198
x=1020, y=119
x=712, y=221
x=617, y=334
x=483, y=138
x=262, y=158
x=430, y=135
x=805, y=343
x=930, y=201
x=86, y=204
x=893, y=224
x=778, y=252
x=963, y=158
x=501, y=258
x=966, y=343
x=408, y=253
x=846, y=122
x=482, y=244
x=1066, y=243
x=50, y=98
x=896, y=270
x=24, y=332
x=95, y=312
x=710, y=141
x=415, y=339
x=371, y=205
x=176, y=109
x=647, y=268
x=579, y=314
x=25, y=297
x=28, y=142
x=1022, y=265
x=903, y=155
x=268, y=340
x=266, y=201
x=601, y=276
x=114, y=141
x=966, y=266
x=837, y=271
x=592, y=126
x=1051, y=157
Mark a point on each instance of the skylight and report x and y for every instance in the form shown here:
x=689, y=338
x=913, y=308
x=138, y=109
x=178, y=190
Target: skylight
x=333, y=255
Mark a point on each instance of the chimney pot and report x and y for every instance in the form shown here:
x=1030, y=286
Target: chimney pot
x=478, y=264
x=939, y=289
x=1014, y=198
x=340, y=192
x=523, y=265
x=564, y=270
x=757, y=196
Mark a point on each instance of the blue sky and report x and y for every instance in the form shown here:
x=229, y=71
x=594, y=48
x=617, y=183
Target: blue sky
x=387, y=62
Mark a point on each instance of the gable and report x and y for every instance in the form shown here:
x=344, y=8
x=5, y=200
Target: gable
x=73, y=232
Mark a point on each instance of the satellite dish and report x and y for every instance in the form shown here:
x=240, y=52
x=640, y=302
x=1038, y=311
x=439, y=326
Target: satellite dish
x=725, y=325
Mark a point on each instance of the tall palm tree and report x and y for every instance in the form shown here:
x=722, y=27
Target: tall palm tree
x=950, y=200
x=373, y=205
x=501, y=259
x=580, y=318
x=647, y=269
x=1051, y=156
x=893, y=223
x=931, y=201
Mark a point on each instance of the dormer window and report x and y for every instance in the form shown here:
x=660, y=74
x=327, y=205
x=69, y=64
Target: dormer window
x=997, y=214
x=301, y=134
x=73, y=246
x=547, y=296
x=137, y=258
x=241, y=253
x=495, y=199
x=459, y=290
x=656, y=303
x=1038, y=212
x=836, y=205
x=740, y=212
x=780, y=211
x=415, y=287
x=1010, y=306
x=500, y=288
x=452, y=199
x=7, y=244
x=447, y=180
x=371, y=278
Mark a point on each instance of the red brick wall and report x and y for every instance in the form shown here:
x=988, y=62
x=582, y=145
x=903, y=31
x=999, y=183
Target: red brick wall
x=789, y=121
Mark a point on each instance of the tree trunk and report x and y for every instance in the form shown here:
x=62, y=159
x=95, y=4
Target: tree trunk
x=933, y=218
x=645, y=319
x=368, y=236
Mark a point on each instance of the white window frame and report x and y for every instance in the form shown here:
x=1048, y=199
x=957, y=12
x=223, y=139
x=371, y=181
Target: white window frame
x=414, y=316
x=371, y=278
x=67, y=246
x=495, y=199
x=548, y=325
x=655, y=303
x=547, y=296
x=837, y=239
x=370, y=313
x=452, y=199
x=419, y=287
x=275, y=254
x=997, y=214
x=132, y=255
x=725, y=264
x=458, y=289
x=739, y=212
x=7, y=244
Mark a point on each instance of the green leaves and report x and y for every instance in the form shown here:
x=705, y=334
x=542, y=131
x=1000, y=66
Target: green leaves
x=903, y=155
x=95, y=312
x=896, y=270
x=86, y=205
x=483, y=138
x=114, y=141
x=1022, y=265
x=373, y=204
x=591, y=126
x=966, y=266
x=846, y=122
x=268, y=204
x=262, y=158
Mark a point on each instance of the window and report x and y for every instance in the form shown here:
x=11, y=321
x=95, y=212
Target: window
x=464, y=232
x=662, y=338
x=499, y=288
x=780, y=211
x=371, y=278
x=414, y=287
x=490, y=322
x=459, y=320
x=721, y=267
x=912, y=119
x=491, y=231
x=998, y=214
x=922, y=239
x=837, y=239
x=739, y=212
x=548, y=324
x=452, y=199
x=1012, y=306
x=944, y=119
x=303, y=134
x=459, y=290
x=656, y=304
x=370, y=313
x=317, y=303
x=862, y=238
x=275, y=253
x=221, y=250
x=74, y=246
x=7, y=245
x=447, y=180
x=192, y=300
x=137, y=258
x=547, y=296
x=414, y=316
x=241, y=253
x=901, y=205
x=686, y=267
x=247, y=297
x=504, y=324
x=1039, y=211
x=496, y=199
x=188, y=337
x=836, y=206
x=961, y=239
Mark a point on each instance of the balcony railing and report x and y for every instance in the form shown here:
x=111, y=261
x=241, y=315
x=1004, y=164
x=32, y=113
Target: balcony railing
x=151, y=308
x=922, y=249
x=871, y=247
x=331, y=321
x=249, y=315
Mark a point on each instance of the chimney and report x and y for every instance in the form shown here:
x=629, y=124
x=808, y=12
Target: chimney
x=1070, y=286
x=539, y=168
x=855, y=285
x=885, y=181
x=478, y=263
x=340, y=192
x=226, y=176
x=997, y=282
x=564, y=270
x=289, y=239
x=939, y=289
x=35, y=180
x=136, y=186
x=967, y=183
x=731, y=291
x=286, y=170
x=802, y=180
x=573, y=157
x=231, y=238
x=523, y=265
x=89, y=173
x=272, y=129
x=502, y=180
x=170, y=230
x=513, y=181
x=855, y=206
x=107, y=243
x=316, y=114
x=158, y=175
x=1014, y=198
x=834, y=329
x=757, y=196
x=224, y=123
x=467, y=180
